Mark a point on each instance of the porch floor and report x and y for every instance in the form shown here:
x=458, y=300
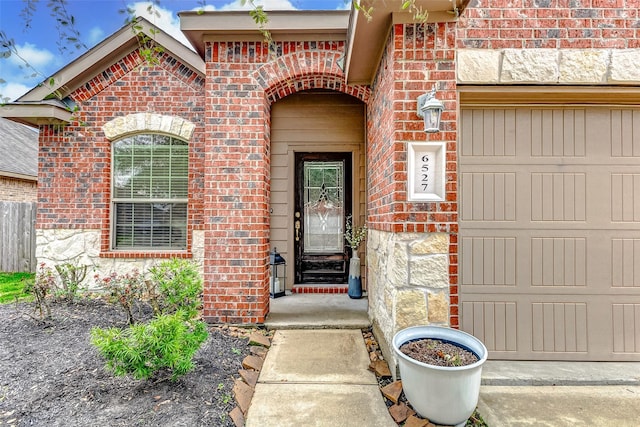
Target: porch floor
x=318, y=311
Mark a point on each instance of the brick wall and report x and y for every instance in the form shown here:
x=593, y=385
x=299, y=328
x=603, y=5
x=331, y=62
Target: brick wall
x=562, y=24
x=75, y=160
x=17, y=190
x=417, y=57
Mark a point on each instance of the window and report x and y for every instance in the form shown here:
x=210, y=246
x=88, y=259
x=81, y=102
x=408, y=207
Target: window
x=150, y=192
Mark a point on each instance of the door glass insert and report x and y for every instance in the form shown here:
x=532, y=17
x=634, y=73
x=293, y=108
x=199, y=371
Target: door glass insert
x=323, y=207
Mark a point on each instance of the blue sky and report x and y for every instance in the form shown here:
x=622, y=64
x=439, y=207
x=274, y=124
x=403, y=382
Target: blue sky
x=96, y=20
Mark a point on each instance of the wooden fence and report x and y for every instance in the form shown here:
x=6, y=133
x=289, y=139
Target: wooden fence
x=17, y=237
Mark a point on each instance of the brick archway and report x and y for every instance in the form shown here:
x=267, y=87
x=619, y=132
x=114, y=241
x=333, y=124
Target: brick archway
x=304, y=70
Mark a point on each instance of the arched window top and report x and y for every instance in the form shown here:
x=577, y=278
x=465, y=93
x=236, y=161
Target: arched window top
x=148, y=122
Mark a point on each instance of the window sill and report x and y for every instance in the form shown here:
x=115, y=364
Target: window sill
x=146, y=254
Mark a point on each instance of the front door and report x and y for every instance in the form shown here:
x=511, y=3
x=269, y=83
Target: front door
x=323, y=201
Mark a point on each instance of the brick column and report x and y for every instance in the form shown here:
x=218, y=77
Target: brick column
x=236, y=196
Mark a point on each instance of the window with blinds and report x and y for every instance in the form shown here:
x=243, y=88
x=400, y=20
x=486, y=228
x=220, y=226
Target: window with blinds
x=150, y=192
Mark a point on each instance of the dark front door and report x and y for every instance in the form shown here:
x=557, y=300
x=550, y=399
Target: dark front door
x=323, y=201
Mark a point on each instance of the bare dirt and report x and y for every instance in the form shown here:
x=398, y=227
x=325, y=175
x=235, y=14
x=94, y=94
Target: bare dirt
x=50, y=375
x=438, y=353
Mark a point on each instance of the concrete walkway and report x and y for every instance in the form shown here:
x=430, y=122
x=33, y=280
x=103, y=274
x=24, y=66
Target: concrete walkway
x=320, y=377
x=317, y=378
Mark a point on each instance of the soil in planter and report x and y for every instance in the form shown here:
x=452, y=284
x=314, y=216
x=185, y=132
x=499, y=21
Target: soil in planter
x=438, y=352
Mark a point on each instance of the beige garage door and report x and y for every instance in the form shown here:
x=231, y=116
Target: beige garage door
x=550, y=231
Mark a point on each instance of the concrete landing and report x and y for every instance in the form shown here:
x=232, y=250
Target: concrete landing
x=318, y=311
x=562, y=406
x=317, y=378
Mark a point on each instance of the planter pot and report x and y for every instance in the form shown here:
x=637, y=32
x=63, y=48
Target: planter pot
x=355, y=281
x=444, y=395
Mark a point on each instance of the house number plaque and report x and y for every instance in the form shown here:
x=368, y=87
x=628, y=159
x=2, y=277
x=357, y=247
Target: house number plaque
x=426, y=171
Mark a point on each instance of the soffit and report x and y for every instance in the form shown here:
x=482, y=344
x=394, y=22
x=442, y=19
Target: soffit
x=290, y=25
x=367, y=38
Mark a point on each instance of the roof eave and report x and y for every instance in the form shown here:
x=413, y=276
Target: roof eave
x=7, y=174
x=36, y=114
x=291, y=25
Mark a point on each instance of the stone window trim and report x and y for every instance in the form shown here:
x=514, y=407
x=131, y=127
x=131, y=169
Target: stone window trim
x=123, y=126
x=139, y=123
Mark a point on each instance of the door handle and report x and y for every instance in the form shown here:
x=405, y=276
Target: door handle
x=297, y=227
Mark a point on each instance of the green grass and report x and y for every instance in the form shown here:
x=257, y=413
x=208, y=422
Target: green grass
x=12, y=286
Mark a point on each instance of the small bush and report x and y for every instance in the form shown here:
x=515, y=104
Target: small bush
x=171, y=338
x=41, y=287
x=166, y=342
x=71, y=277
x=124, y=289
x=177, y=285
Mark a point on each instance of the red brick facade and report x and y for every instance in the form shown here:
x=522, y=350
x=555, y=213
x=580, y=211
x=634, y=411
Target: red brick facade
x=75, y=160
x=555, y=24
x=230, y=149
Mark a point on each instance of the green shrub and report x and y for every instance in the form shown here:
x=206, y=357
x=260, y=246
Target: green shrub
x=71, y=277
x=177, y=285
x=166, y=342
x=171, y=338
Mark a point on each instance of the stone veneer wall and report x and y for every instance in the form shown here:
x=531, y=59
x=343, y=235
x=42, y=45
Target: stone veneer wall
x=82, y=247
x=548, y=66
x=409, y=281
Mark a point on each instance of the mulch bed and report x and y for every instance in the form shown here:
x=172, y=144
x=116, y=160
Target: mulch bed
x=50, y=374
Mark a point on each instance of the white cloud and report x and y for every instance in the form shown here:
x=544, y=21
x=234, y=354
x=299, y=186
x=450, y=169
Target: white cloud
x=96, y=34
x=237, y=5
x=13, y=90
x=20, y=77
x=37, y=58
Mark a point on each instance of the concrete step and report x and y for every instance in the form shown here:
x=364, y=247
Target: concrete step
x=318, y=311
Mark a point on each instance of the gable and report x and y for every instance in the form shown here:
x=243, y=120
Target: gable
x=48, y=102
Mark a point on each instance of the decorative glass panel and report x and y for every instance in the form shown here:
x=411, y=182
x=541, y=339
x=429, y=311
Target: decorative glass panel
x=323, y=207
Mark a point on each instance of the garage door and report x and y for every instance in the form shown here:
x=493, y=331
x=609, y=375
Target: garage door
x=550, y=231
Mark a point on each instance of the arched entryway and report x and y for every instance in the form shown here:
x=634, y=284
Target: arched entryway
x=317, y=180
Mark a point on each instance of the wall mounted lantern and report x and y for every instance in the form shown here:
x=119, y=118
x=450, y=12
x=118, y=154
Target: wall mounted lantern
x=430, y=109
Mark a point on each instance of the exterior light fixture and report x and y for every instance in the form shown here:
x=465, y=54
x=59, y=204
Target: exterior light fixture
x=430, y=109
x=278, y=274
